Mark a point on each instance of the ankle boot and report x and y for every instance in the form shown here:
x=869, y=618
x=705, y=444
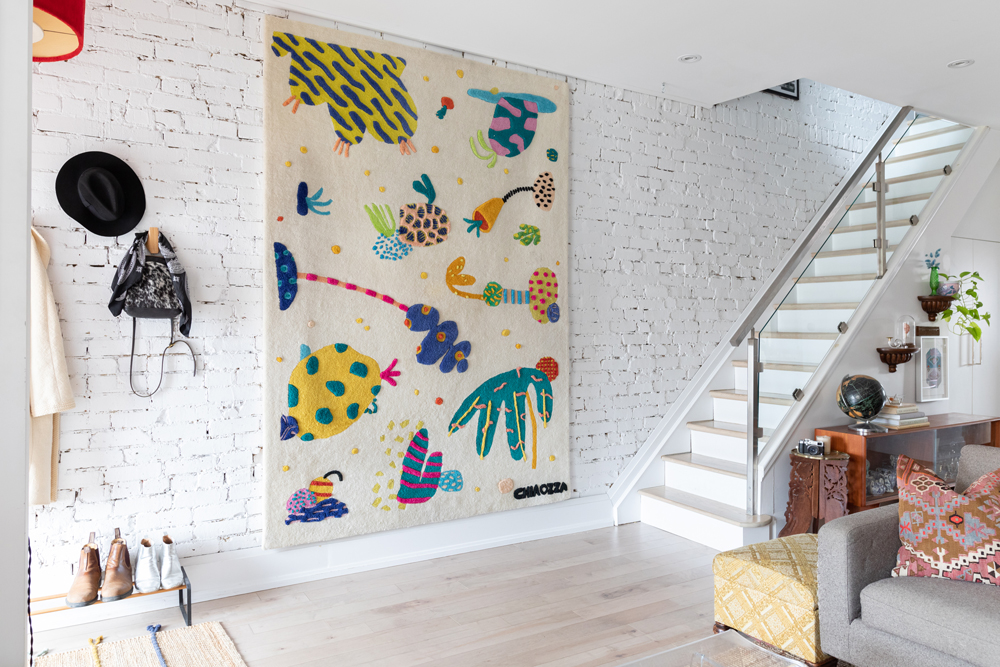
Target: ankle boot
x=170, y=567
x=147, y=570
x=117, y=572
x=88, y=577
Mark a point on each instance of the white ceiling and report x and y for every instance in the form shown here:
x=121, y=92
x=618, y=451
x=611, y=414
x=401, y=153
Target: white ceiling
x=890, y=50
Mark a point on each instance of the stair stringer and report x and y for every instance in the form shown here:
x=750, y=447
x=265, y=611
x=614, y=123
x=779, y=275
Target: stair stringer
x=970, y=171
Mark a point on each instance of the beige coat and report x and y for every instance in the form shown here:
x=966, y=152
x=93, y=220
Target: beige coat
x=50, y=388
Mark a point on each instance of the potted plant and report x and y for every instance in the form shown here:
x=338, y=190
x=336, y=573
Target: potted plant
x=964, y=316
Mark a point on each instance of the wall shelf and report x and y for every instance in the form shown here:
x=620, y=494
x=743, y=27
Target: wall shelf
x=933, y=305
x=893, y=356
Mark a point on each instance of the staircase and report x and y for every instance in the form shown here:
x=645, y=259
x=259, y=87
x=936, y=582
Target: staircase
x=705, y=492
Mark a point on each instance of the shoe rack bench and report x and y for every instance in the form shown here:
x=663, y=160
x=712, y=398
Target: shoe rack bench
x=184, y=601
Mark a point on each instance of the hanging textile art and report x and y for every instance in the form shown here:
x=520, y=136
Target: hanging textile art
x=415, y=286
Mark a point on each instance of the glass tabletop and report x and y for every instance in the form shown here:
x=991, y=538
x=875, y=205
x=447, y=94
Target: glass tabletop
x=727, y=649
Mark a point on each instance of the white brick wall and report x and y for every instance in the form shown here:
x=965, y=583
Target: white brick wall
x=679, y=213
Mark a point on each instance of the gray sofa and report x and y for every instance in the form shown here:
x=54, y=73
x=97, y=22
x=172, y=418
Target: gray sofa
x=871, y=619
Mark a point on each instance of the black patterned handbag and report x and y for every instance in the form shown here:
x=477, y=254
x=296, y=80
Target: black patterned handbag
x=152, y=286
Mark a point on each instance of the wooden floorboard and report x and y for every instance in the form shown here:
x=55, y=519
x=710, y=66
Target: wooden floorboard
x=604, y=597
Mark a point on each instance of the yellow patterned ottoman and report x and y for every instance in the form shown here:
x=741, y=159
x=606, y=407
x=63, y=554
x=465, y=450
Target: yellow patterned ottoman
x=768, y=591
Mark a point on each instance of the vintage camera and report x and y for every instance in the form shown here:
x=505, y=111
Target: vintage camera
x=810, y=447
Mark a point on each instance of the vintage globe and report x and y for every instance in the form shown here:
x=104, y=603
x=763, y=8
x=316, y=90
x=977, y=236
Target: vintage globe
x=860, y=396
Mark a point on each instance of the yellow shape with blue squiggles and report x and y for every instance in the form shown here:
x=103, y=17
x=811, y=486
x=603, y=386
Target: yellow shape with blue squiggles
x=362, y=90
x=332, y=388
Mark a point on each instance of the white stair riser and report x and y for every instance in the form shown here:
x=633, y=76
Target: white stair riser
x=706, y=483
x=727, y=410
x=719, y=446
x=917, y=165
x=793, y=350
x=818, y=321
x=699, y=527
x=842, y=266
x=906, y=188
x=863, y=239
x=867, y=216
x=929, y=143
x=929, y=126
x=838, y=292
x=773, y=382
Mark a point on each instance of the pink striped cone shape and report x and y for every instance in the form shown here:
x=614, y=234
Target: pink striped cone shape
x=419, y=481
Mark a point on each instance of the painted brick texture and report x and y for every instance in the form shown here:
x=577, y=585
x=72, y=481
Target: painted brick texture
x=679, y=214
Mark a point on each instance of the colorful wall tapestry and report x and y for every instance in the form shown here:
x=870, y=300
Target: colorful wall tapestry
x=416, y=326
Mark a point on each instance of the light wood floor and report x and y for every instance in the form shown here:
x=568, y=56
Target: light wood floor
x=603, y=597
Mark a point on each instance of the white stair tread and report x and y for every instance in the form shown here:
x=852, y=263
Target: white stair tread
x=741, y=395
x=780, y=366
x=916, y=136
x=847, y=229
x=728, y=429
x=851, y=277
x=927, y=153
x=721, y=466
x=799, y=335
x=843, y=305
x=850, y=252
x=859, y=206
x=919, y=176
x=710, y=508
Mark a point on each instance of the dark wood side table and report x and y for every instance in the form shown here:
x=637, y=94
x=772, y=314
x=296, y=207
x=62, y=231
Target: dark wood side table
x=817, y=492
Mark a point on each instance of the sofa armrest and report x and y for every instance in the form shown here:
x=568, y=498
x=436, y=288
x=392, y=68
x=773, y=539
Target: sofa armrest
x=854, y=551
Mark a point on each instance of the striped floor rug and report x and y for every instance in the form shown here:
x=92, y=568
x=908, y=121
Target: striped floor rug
x=202, y=645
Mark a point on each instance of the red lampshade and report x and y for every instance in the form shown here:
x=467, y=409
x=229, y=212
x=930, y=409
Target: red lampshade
x=58, y=29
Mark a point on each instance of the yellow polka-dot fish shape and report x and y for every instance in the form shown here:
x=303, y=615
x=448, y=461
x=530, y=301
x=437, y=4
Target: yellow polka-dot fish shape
x=330, y=389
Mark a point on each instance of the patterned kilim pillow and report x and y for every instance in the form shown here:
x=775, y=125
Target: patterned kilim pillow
x=947, y=534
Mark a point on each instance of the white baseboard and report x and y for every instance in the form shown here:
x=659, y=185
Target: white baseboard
x=249, y=570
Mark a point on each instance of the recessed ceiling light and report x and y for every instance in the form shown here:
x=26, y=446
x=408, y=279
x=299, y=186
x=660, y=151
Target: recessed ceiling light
x=693, y=58
x=959, y=64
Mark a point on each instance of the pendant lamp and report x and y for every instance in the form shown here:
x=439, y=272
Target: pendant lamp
x=58, y=29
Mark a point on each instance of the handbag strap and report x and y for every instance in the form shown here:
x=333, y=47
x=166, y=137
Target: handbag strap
x=163, y=359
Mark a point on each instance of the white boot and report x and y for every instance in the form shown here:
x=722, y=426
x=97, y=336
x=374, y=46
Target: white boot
x=147, y=570
x=170, y=572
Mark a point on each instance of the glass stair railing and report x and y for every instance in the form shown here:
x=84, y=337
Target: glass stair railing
x=805, y=325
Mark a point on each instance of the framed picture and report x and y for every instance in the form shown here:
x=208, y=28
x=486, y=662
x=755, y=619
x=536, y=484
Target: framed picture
x=789, y=90
x=932, y=369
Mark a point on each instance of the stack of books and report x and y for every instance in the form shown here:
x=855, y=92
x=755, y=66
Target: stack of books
x=901, y=417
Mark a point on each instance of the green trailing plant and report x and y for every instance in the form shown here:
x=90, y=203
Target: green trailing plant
x=965, y=315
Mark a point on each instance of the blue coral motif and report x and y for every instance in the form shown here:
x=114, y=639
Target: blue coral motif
x=305, y=203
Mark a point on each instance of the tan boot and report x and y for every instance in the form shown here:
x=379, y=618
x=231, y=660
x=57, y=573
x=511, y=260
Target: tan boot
x=88, y=577
x=117, y=572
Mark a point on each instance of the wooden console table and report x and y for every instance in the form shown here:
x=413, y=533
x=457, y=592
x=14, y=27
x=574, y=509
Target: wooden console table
x=817, y=492
x=871, y=469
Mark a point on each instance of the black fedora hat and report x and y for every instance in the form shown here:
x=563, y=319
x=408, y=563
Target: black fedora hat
x=101, y=192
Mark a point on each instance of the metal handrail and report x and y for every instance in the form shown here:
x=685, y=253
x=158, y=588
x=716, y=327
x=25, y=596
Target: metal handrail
x=798, y=253
x=786, y=272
